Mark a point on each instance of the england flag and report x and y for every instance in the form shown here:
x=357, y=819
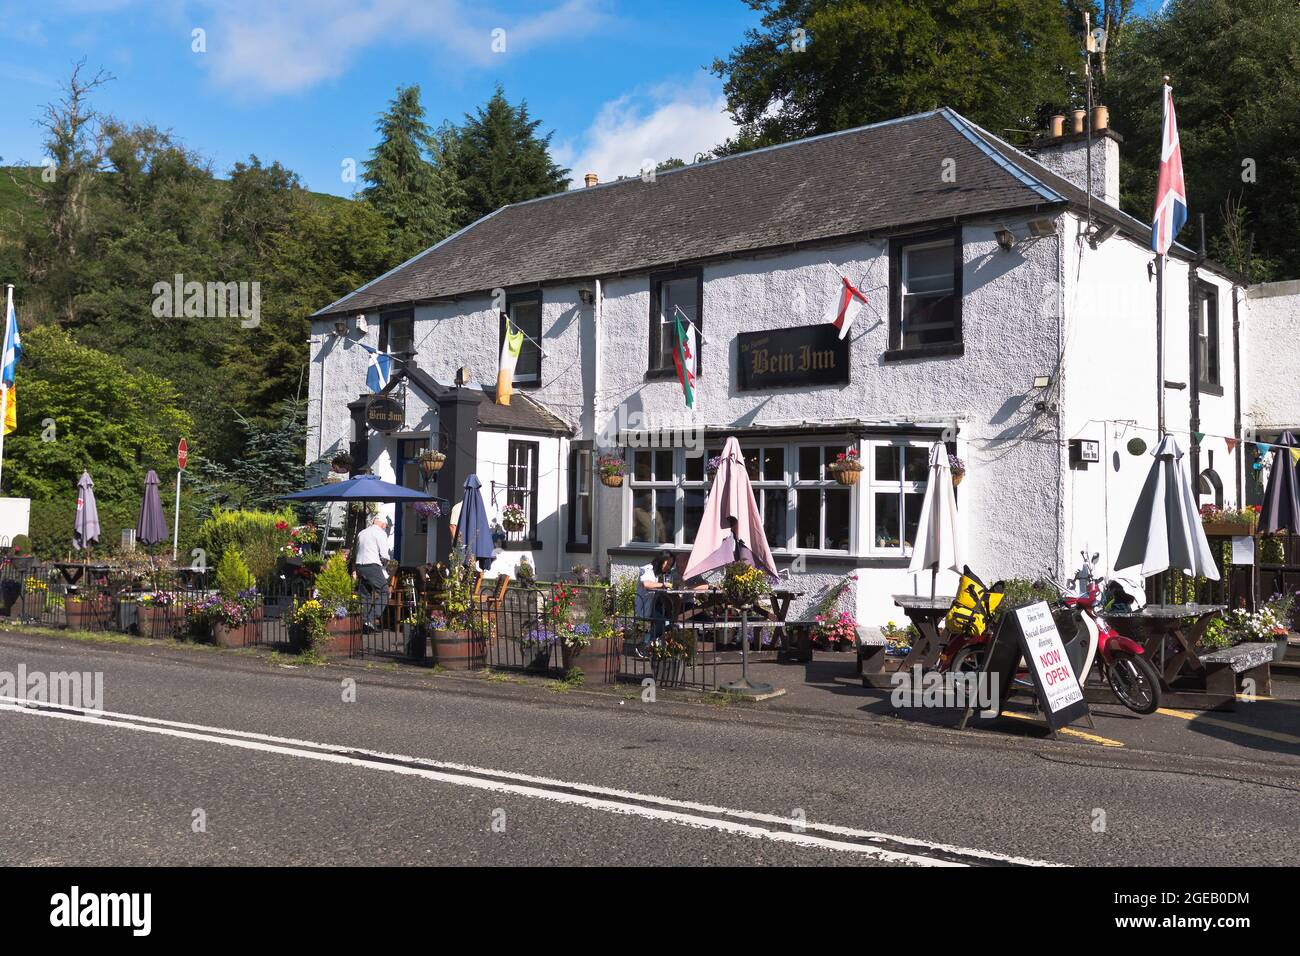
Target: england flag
x=1171, y=194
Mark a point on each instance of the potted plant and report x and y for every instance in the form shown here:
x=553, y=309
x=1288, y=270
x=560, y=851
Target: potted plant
x=431, y=510
x=309, y=626
x=88, y=610
x=538, y=643
x=35, y=595
x=513, y=518
x=668, y=658
x=1279, y=608
x=743, y=584
x=712, y=465
x=525, y=576
x=958, y=469
x=415, y=631
x=835, y=631
x=154, y=618
x=430, y=462
x=455, y=641
x=1235, y=522
x=611, y=469
x=343, y=618
x=590, y=645
x=847, y=467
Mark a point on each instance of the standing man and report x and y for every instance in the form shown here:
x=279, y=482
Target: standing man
x=373, y=549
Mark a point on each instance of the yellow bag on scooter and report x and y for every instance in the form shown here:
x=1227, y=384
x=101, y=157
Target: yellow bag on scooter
x=973, y=606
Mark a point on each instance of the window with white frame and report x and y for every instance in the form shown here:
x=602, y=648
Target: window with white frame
x=898, y=472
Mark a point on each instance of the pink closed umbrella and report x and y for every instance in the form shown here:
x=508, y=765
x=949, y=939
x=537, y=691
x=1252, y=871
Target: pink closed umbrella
x=732, y=528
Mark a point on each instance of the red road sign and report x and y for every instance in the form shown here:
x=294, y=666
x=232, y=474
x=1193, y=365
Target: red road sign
x=182, y=455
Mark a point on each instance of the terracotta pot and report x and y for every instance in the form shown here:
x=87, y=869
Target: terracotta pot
x=86, y=615
x=224, y=636
x=342, y=636
x=597, y=662
x=612, y=481
x=154, y=622
x=457, y=650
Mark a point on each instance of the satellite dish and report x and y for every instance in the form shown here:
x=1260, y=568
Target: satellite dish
x=1136, y=446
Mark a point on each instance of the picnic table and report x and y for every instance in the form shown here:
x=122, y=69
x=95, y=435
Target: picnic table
x=697, y=609
x=1182, y=625
x=925, y=613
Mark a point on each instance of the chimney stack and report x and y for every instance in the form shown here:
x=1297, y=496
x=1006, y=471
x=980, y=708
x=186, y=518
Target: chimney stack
x=591, y=179
x=1064, y=150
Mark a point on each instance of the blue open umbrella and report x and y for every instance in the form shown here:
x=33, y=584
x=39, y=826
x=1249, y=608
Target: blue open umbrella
x=85, y=528
x=473, y=531
x=152, y=526
x=361, y=488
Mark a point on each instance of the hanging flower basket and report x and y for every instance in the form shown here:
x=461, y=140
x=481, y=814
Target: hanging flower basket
x=431, y=462
x=958, y=469
x=846, y=469
x=611, y=469
x=513, y=518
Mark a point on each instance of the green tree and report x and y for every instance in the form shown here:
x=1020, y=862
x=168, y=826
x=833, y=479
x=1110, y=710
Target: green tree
x=1236, y=121
x=818, y=66
x=500, y=159
x=408, y=189
x=79, y=408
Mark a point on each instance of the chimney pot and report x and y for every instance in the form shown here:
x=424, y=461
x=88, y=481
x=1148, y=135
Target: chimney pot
x=591, y=179
x=1056, y=126
x=1100, y=117
x=1078, y=120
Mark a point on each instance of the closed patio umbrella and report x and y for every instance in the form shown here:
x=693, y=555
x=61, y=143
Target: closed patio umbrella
x=732, y=530
x=473, y=529
x=1165, y=530
x=732, y=527
x=85, y=527
x=1281, y=509
x=937, y=546
x=151, y=528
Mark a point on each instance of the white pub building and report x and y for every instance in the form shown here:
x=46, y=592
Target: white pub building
x=1008, y=314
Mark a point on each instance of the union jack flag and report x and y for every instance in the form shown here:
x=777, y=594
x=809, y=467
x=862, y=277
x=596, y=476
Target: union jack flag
x=1171, y=194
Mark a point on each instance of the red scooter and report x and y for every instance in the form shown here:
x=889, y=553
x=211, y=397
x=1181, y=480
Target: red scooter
x=1123, y=661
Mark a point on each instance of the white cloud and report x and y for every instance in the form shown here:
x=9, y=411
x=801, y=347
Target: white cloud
x=285, y=46
x=664, y=122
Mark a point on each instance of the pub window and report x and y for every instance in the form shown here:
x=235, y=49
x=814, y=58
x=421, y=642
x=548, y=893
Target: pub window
x=521, y=489
x=580, y=489
x=655, y=517
x=670, y=292
x=1207, y=334
x=823, y=508
x=898, y=474
x=525, y=311
x=925, y=292
x=397, y=333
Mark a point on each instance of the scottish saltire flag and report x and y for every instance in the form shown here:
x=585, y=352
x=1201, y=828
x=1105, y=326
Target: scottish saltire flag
x=379, y=370
x=1171, y=194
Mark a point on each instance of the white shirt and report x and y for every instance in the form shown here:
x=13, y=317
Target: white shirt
x=373, y=546
x=644, y=604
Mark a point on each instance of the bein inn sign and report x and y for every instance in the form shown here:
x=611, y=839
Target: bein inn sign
x=799, y=356
x=385, y=414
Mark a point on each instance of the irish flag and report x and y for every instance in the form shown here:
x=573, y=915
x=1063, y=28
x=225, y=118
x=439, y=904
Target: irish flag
x=684, y=358
x=511, y=345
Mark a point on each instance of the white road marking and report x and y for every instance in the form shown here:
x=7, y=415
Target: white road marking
x=592, y=797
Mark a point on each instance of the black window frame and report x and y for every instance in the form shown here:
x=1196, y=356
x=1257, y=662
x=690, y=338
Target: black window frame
x=513, y=299
x=1207, y=295
x=897, y=246
x=657, y=279
x=386, y=320
x=527, y=539
x=576, y=450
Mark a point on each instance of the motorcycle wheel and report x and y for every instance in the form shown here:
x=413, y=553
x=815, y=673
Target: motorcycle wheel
x=968, y=660
x=1134, y=682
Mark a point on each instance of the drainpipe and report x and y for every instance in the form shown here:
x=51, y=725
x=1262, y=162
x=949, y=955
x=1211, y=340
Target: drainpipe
x=1194, y=386
x=1239, y=459
x=596, y=513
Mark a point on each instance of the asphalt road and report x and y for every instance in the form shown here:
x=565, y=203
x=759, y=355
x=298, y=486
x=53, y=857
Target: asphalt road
x=222, y=759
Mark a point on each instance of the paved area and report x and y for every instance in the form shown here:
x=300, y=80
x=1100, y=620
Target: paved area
x=290, y=764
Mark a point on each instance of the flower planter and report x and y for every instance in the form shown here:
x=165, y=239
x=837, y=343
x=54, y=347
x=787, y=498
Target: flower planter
x=32, y=605
x=847, y=476
x=956, y=480
x=1228, y=529
x=667, y=670
x=87, y=615
x=224, y=635
x=1279, y=649
x=514, y=527
x=342, y=636
x=597, y=661
x=456, y=650
x=154, y=622
x=417, y=641
x=612, y=481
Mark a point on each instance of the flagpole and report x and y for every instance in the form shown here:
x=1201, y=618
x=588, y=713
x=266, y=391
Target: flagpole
x=4, y=392
x=1160, y=345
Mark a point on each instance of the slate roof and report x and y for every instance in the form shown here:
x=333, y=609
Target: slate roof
x=871, y=179
x=523, y=414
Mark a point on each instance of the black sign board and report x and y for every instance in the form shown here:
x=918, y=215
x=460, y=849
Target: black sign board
x=799, y=356
x=385, y=414
x=1029, y=632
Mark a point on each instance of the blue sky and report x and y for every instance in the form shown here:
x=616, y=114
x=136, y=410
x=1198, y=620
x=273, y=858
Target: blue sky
x=302, y=82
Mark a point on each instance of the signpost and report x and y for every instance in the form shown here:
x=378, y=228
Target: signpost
x=182, y=459
x=1030, y=633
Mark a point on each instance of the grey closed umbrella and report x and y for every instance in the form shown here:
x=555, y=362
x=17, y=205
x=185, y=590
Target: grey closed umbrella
x=1165, y=530
x=1281, y=509
x=152, y=526
x=85, y=528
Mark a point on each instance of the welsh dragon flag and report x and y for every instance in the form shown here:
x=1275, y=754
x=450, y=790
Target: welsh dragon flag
x=684, y=358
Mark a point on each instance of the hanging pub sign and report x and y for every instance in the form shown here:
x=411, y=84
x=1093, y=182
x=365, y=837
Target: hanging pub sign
x=788, y=358
x=1029, y=634
x=385, y=414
